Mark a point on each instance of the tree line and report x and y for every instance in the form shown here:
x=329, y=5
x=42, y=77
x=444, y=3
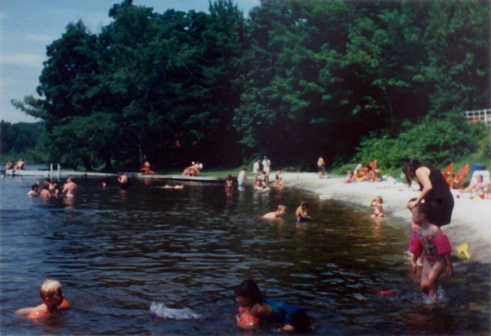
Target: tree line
x=294, y=80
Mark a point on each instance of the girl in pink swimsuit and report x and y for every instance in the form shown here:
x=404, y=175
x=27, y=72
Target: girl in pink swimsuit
x=436, y=250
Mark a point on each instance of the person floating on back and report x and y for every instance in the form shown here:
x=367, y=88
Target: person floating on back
x=258, y=310
x=435, y=246
x=54, y=301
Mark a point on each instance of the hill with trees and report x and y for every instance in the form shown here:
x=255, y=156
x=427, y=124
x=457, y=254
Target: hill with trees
x=351, y=80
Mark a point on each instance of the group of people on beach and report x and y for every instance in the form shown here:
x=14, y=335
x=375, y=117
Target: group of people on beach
x=193, y=170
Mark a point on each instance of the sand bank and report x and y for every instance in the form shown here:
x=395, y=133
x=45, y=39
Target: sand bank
x=471, y=220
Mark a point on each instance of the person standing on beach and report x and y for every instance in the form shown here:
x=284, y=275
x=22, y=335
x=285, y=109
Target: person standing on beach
x=320, y=165
x=69, y=188
x=434, y=190
x=255, y=170
x=266, y=169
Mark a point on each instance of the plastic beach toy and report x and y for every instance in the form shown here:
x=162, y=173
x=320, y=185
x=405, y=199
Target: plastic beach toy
x=463, y=249
x=159, y=310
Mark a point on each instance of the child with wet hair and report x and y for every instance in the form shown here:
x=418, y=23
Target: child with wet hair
x=377, y=204
x=276, y=214
x=434, y=245
x=301, y=214
x=256, y=309
x=54, y=301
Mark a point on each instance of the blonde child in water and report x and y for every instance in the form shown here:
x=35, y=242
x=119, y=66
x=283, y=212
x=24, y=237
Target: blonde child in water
x=377, y=204
x=434, y=246
x=54, y=301
x=276, y=214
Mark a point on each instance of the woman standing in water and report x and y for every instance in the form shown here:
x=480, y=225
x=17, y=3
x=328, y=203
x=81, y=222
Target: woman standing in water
x=434, y=190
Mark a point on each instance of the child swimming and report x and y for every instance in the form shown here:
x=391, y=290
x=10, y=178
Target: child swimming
x=276, y=214
x=269, y=311
x=54, y=301
x=435, y=246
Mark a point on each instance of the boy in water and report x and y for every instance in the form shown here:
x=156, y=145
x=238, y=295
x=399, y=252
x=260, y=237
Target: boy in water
x=53, y=298
x=276, y=214
x=301, y=214
x=34, y=192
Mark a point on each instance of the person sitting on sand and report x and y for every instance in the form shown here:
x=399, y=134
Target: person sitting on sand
x=350, y=178
x=34, y=192
x=69, y=188
x=54, y=301
x=301, y=214
x=377, y=204
x=276, y=214
x=475, y=187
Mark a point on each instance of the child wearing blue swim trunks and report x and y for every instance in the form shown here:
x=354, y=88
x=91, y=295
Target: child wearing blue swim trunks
x=269, y=311
x=301, y=214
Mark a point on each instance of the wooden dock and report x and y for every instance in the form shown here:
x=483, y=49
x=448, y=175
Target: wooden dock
x=66, y=173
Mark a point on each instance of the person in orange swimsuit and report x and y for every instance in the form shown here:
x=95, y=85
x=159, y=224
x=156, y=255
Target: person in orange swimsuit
x=54, y=301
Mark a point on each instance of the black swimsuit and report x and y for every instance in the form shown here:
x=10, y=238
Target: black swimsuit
x=441, y=197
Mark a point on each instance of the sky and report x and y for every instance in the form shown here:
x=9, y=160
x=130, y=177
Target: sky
x=27, y=27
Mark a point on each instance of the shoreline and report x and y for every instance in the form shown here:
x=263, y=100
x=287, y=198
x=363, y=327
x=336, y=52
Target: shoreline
x=471, y=220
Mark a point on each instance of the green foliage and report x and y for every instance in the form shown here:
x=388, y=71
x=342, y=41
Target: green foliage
x=18, y=138
x=296, y=80
x=433, y=141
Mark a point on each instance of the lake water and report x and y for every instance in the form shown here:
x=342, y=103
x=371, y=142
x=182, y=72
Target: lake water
x=117, y=252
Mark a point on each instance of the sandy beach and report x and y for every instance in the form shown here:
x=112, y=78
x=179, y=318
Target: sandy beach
x=471, y=220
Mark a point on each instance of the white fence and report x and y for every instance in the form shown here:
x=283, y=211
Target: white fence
x=483, y=116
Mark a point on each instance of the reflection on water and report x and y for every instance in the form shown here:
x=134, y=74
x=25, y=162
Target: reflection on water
x=117, y=252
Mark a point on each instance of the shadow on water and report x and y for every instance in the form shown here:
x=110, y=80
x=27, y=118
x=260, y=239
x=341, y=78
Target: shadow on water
x=116, y=252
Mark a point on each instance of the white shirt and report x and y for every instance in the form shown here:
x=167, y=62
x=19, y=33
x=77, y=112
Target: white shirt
x=255, y=168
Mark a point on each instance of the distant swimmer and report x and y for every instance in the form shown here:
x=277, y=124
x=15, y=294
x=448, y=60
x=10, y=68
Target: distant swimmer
x=34, y=192
x=54, y=301
x=45, y=193
x=276, y=214
x=69, y=188
x=301, y=214
x=167, y=186
x=124, y=183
